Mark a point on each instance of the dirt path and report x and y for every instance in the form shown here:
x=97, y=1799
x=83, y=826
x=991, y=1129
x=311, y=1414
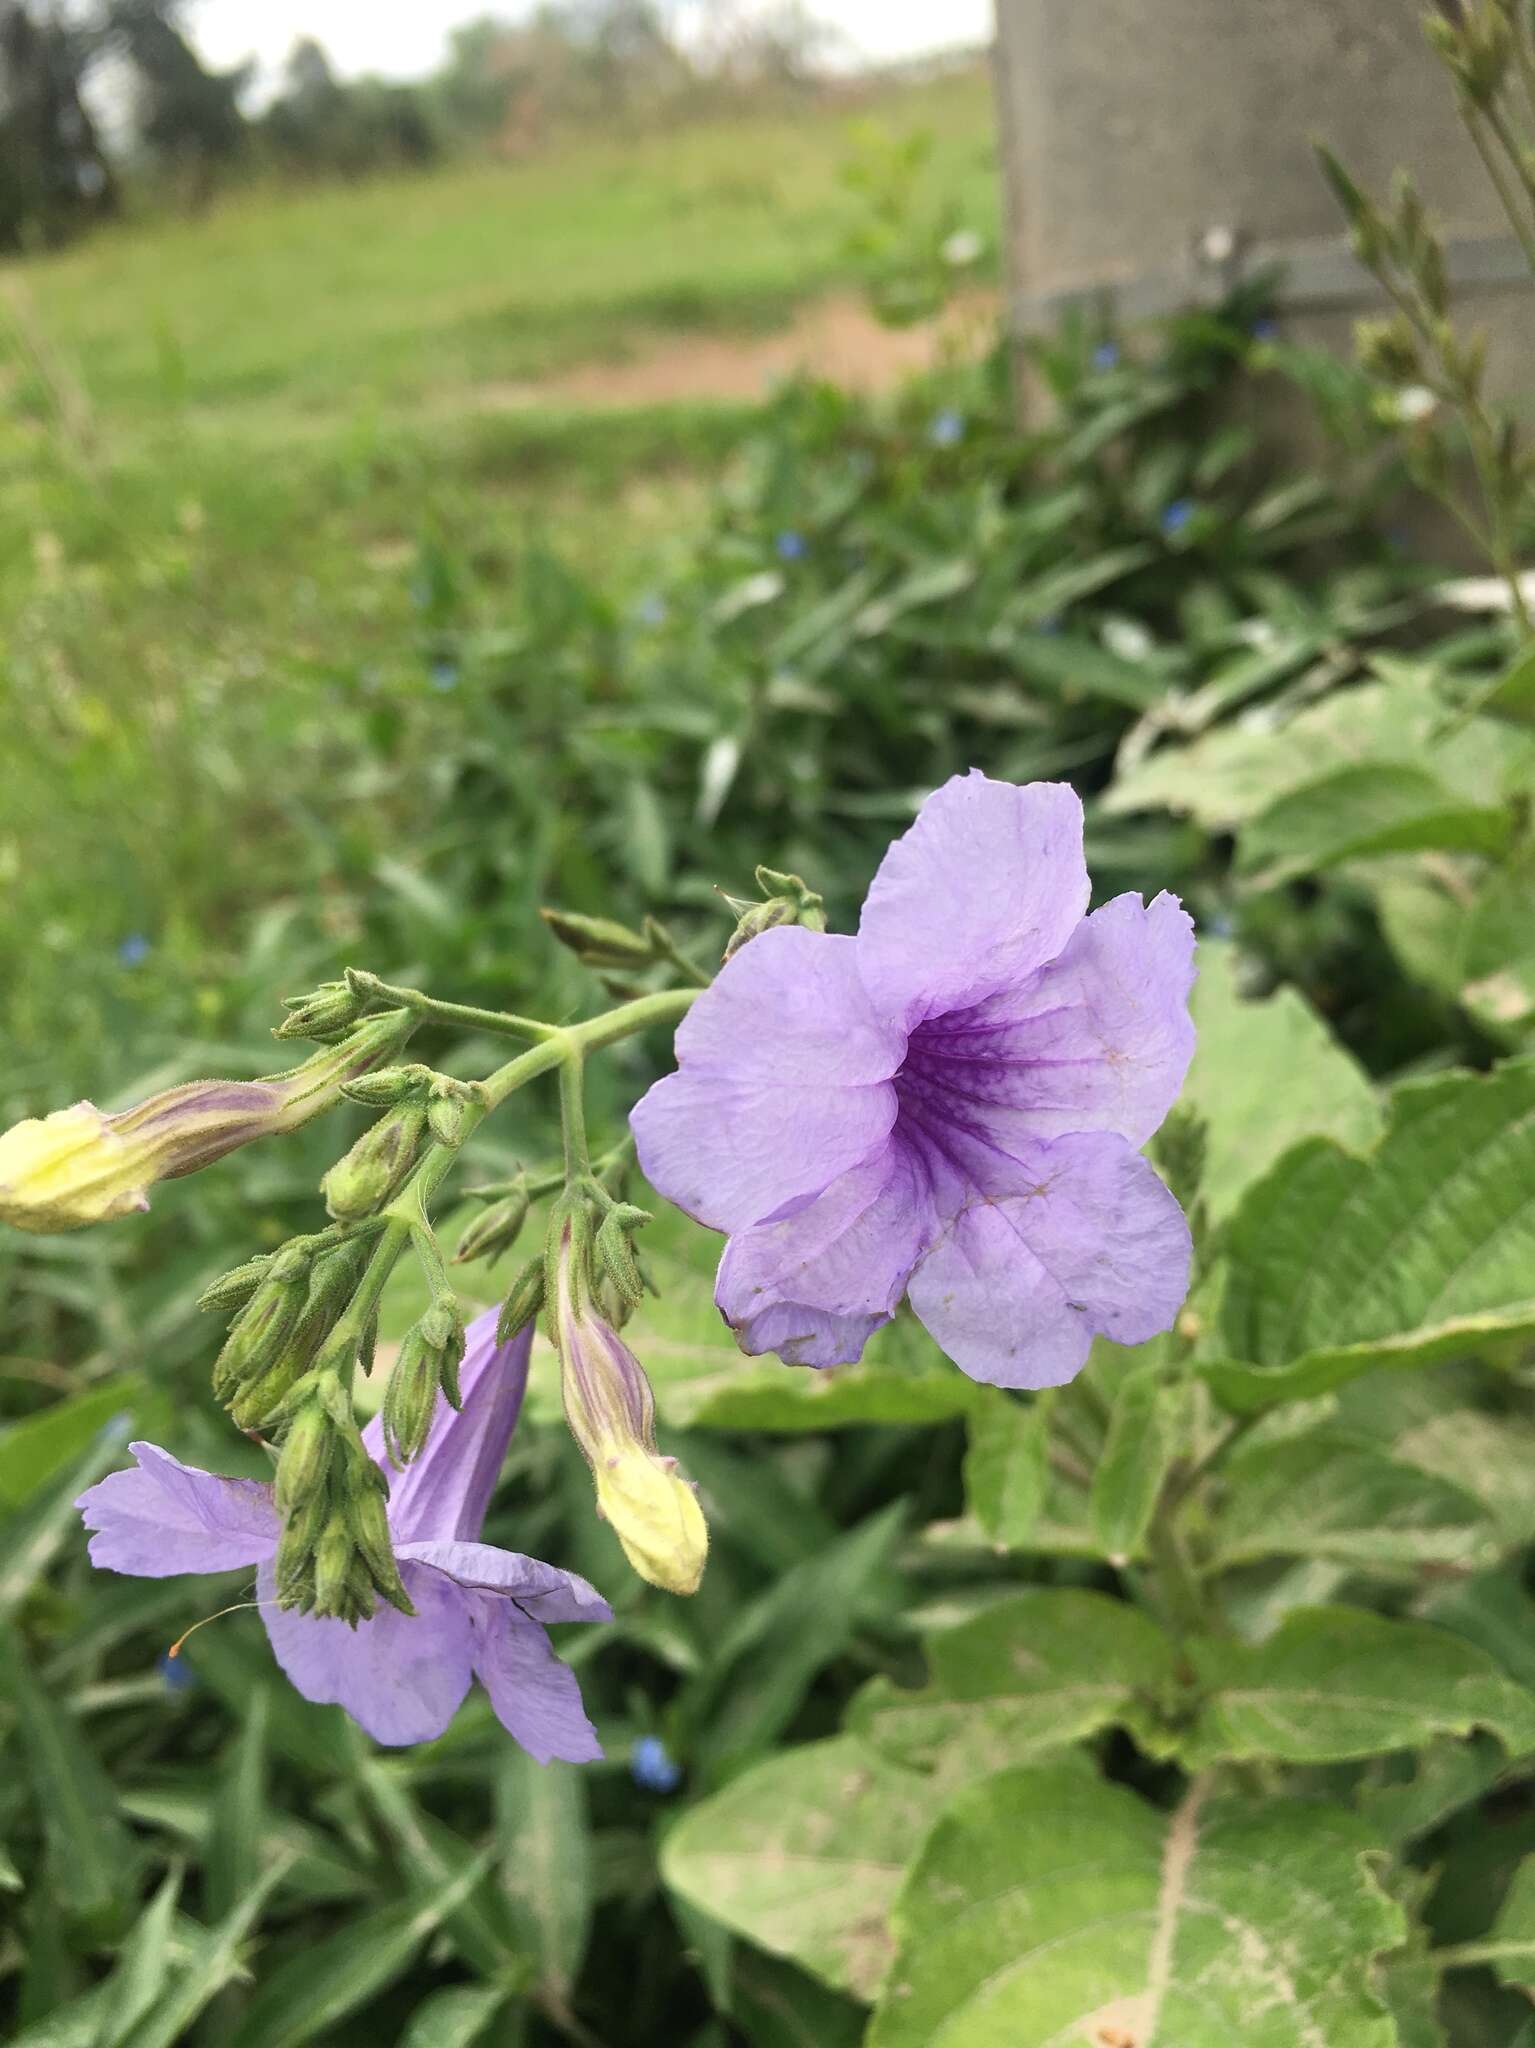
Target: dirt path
x=837, y=338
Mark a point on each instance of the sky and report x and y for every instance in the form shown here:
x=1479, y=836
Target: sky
x=403, y=38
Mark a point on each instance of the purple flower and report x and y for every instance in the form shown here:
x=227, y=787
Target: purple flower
x=949, y=1104
x=479, y=1611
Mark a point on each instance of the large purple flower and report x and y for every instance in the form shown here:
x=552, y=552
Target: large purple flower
x=479, y=1611
x=949, y=1104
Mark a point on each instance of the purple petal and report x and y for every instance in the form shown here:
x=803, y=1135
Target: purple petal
x=401, y=1677
x=1023, y=1280
x=814, y=1285
x=446, y=1490
x=1099, y=1039
x=537, y=1698
x=164, y=1517
x=784, y=1083
x=541, y=1590
x=987, y=886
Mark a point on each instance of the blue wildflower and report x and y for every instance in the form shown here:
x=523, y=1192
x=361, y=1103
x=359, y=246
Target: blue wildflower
x=1106, y=355
x=651, y=609
x=1265, y=329
x=1050, y=623
x=652, y=1767
x=444, y=673
x=1177, y=515
x=133, y=951
x=791, y=546
x=948, y=428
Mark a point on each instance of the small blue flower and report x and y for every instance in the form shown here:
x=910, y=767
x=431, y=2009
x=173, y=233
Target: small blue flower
x=651, y=609
x=1221, y=925
x=652, y=1768
x=791, y=546
x=948, y=428
x=133, y=951
x=1106, y=355
x=1050, y=623
x=444, y=673
x=175, y=1673
x=1265, y=329
x=1177, y=515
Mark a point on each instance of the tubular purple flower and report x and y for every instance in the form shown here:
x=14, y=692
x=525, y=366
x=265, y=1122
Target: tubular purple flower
x=652, y=1509
x=480, y=1612
x=947, y=1107
x=81, y=1165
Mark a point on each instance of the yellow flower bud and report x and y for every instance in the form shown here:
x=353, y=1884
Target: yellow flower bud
x=654, y=1513
x=60, y=1171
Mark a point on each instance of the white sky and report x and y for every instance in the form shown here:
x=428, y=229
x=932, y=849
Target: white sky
x=402, y=38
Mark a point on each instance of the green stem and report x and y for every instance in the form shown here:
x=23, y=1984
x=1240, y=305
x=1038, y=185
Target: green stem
x=504, y=1023
x=1508, y=199
x=1176, y=1582
x=578, y=1158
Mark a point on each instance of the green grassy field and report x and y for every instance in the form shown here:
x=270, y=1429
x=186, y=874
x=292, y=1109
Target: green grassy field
x=246, y=460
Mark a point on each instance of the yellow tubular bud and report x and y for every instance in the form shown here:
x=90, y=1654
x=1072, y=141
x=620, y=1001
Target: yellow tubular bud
x=61, y=1171
x=654, y=1513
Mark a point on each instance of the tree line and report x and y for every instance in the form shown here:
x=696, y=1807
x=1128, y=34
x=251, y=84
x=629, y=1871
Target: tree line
x=100, y=98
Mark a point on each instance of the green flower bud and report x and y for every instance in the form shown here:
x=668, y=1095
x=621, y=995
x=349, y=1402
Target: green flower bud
x=787, y=900
x=496, y=1229
x=598, y=941
x=332, y=1007
x=428, y=1363
x=295, y=1561
x=388, y=1085
x=303, y=1465
x=261, y=1330
x=524, y=1301
x=362, y=1180
x=447, y=1111
x=614, y=1247
x=234, y=1288
x=333, y=1568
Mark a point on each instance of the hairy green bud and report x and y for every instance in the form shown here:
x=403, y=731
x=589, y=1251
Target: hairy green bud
x=496, y=1229
x=258, y=1334
x=524, y=1301
x=599, y=941
x=234, y=1288
x=787, y=900
x=363, y=1180
x=330, y=1008
x=303, y=1464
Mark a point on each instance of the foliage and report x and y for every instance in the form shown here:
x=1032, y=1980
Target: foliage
x=1176, y=1705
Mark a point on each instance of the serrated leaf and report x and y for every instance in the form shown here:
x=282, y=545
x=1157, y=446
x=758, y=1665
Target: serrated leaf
x=1324, y=1494
x=803, y=1855
x=1148, y=1427
x=1339, y=1682
x=1265, y=1075
x=1006, y=1465
x=1051, y=1913
x=1422, y=1249
x=1033, y=1672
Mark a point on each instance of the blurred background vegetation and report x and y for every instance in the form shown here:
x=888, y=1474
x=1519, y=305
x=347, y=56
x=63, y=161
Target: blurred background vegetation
x=400, y=533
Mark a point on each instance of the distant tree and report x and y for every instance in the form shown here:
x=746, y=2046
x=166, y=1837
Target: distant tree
x=54, y=175
x=188, y=117
x=318, y=123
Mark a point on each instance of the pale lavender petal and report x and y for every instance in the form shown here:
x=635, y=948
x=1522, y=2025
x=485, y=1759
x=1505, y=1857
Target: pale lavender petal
x=815, y=1284
x=542, y=1590
x=987, y=886
x=783, y=1084
x=401, y=1677
x=163, y=1518
x=447, y=1489
x=1097, y=1040
x=537, y=1698
x=1084, y=1241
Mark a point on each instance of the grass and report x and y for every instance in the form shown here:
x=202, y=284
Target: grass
x=235, y=453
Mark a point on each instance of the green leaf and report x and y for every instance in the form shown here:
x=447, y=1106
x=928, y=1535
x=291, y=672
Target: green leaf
x=1265, y=1075
x=435, y=1859
x=314, y=1989
x=32, y=1451
x=1067, y=1913
x=1377, y=808
x=31, y=1538
x=1510, y=1945
x=1073, y=669
x=1324, y=1494
x=239, y=1809
x=459, y=2016
x=1423, y=1249
x=1465, y=929
x=1148, y=1427
x=1006, y=1465
x=1033, y=1672
x=1338, y=1682
x=142, y=1967
x=777, y=2006
x=803, y=1854
x=215, y=1964
x=1512, y=694
x=546, y=1863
